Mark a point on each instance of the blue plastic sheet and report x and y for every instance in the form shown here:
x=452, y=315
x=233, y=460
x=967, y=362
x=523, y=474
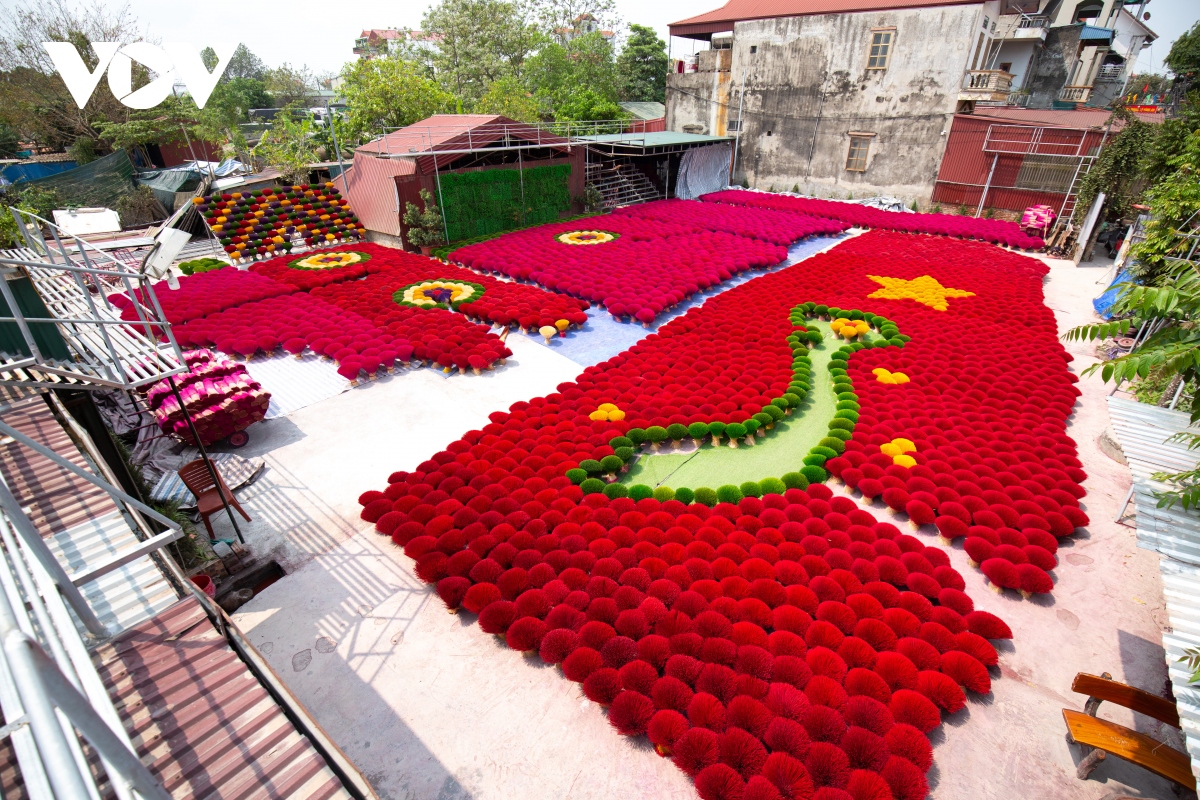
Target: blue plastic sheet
x=1104, y=303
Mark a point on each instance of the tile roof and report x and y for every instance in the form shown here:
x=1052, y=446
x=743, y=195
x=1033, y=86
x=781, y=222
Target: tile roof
x=723, y=18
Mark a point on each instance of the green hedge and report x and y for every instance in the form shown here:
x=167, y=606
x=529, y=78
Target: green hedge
x=480, y=203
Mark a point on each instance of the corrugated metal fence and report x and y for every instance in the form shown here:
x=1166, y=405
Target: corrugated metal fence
x=1143, y=431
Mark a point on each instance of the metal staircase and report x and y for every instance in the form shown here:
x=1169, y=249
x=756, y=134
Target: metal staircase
x=621, y=184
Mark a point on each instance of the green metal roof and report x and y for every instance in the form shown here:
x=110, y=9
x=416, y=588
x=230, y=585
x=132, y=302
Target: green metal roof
x=654, y=139
x=645, y=110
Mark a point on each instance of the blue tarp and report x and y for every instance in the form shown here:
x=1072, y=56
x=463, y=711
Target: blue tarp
x=1104, y=303
x=33, y=170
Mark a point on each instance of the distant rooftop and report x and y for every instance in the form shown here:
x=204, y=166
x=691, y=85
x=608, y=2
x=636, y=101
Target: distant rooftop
x=722, y=19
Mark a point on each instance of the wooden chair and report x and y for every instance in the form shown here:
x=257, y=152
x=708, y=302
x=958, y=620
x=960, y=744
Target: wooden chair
x=1097, y=737
x=197, y=478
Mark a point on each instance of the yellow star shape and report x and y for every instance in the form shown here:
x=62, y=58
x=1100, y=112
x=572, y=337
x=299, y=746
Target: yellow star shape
x=925, y=290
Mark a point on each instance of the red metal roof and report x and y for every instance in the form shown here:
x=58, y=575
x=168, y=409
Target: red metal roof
x=200, y=720
x=456, y=132
x=1068, y=118
x=723, y=18
x=53, y=498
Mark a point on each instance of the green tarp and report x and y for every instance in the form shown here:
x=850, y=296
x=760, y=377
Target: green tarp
x=99, y=184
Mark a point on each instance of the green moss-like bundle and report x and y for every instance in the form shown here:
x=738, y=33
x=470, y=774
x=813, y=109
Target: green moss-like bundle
x=729, y=494
x=577, y=475
x=772, y=486
x=814, y=474
x=751, y=489
x=706, y=496
x=615, y=490
x=592, y=486
x=685, y=495
x=717, y=430
x=833, y=443
x=656, y=434
x=676, y=432
x=637, y=436
x=618, y=442
x=735, y=431
x=611, y=464
x=664, y=493
x=592, y=466
x=640, y=491
x=794, y=480
x=625, y=453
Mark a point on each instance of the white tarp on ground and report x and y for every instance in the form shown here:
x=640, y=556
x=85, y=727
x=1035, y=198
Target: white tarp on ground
x=295, y=383
x=703, y=170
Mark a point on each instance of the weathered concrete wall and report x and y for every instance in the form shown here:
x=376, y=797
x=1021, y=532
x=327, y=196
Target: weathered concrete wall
x=1051, y=66
x=807, y=87
x=812, y=88
x=699, y=98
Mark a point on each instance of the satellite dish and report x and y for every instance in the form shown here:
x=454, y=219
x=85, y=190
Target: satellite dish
x=1146, y=15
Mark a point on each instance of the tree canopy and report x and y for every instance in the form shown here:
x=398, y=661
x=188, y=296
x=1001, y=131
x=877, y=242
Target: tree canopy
x=33, y=98
x=478, y=42
x=642, y=66
x=389, y=93
x=1184, y=57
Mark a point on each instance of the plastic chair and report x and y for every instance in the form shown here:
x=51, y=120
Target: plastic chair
x=198, y=480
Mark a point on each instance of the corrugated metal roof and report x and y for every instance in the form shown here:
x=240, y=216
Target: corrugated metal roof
x=371, y=190
x=125, y=596
x=645, y=109
x=200, y=720
x=455, y=132
x=1142, y=431
x=53, y=498
x=723, y=18
x=655, y=138
x=80, y=521
x=1096, y=118
x=1094, y=33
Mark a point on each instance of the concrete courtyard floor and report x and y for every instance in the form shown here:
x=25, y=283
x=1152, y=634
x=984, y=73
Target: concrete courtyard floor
x=431, y=708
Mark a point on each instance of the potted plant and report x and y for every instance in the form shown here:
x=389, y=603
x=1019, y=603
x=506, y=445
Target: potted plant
x=425, y=227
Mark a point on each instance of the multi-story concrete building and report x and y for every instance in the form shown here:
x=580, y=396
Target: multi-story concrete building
x=856, y=97
x=389, y=41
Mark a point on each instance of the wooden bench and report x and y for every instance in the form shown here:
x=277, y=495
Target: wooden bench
x=1097, y=737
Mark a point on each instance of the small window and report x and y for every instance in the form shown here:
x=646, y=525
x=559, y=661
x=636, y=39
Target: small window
x=881, y=47
x=753, y=48
x=856, y=159
x=986, y=21
x=734, y=125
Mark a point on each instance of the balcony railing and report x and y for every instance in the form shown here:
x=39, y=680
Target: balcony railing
x=986, y=84
x=1110, y=72
x=1034, y=21
x=1075, y=94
